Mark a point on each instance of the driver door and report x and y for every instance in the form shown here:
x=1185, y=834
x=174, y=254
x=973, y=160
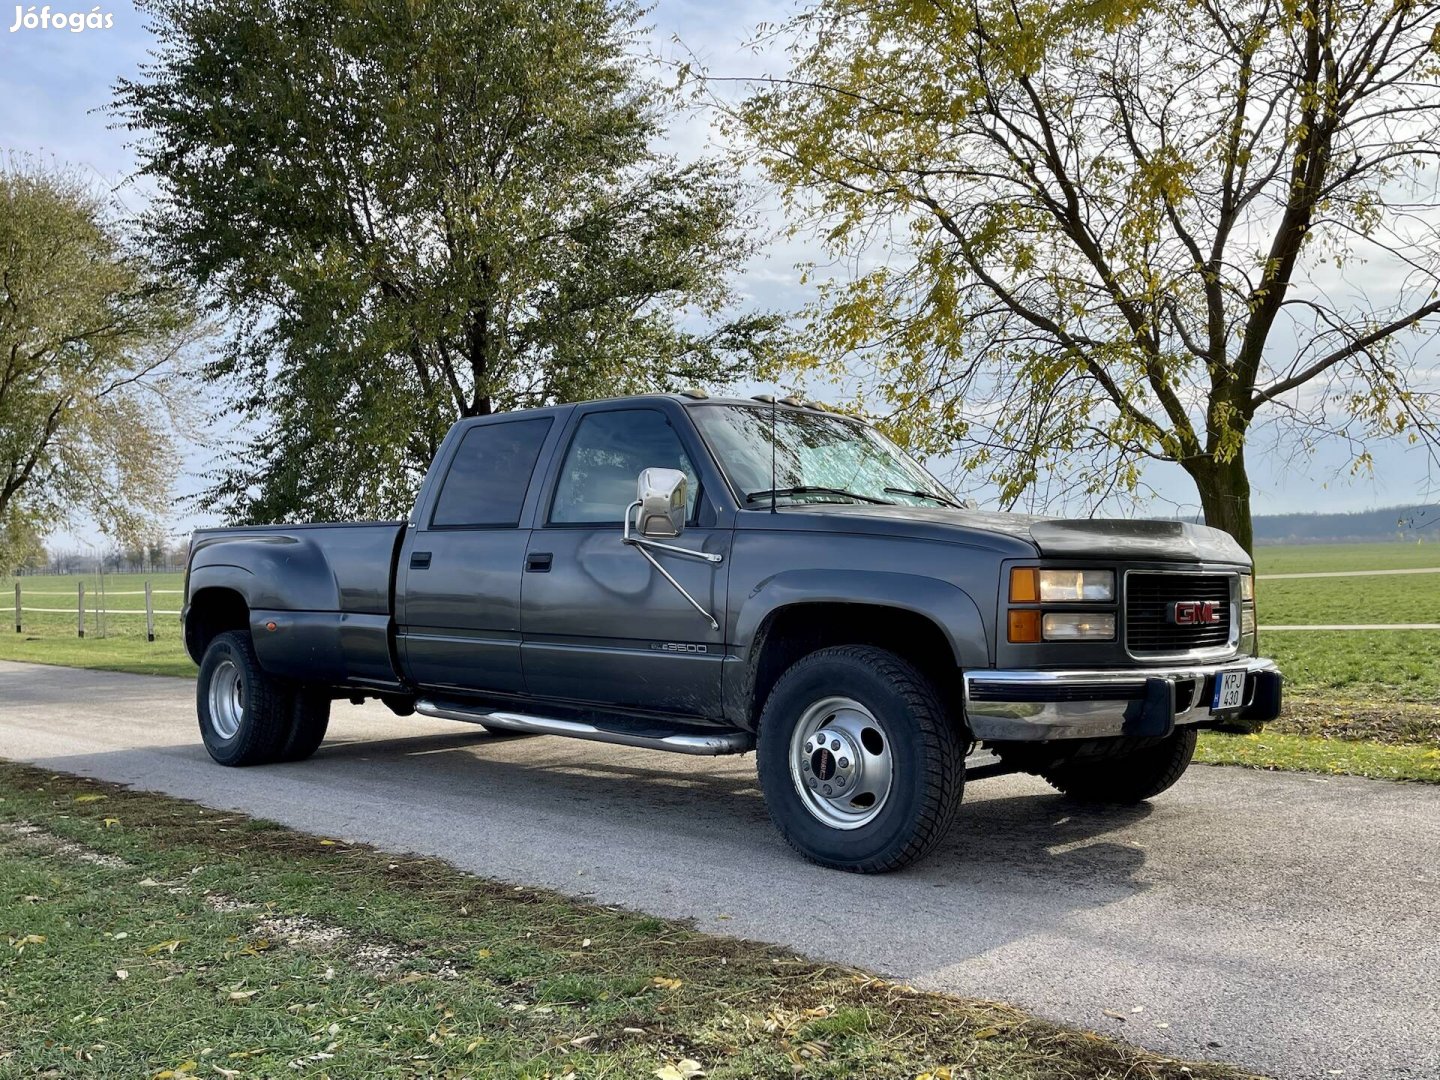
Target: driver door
x=599, y=625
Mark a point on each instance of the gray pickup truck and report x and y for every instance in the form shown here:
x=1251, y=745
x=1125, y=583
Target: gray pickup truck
x=714, y=576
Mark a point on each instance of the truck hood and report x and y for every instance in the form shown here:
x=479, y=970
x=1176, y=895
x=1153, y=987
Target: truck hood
x=1088, y=538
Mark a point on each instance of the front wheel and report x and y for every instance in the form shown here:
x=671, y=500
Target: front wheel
x=861, y=766
x=1126, y=778
x=244, y=712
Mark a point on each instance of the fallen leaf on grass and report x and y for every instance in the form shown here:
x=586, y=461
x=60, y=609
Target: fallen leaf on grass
x=583, y=1040
x=164, y=946
x=666, y=984
x=90, y=798
x=28, y=939
x=242, y=995
x=111, y=821
x=986, y=1033
x=942, y=1073
x=185, y=1069
x=684, y=1069
x=121, y=974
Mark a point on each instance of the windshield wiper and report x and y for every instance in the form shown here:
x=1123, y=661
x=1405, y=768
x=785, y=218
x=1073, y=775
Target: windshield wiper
x=925, y=495
x=809, y=489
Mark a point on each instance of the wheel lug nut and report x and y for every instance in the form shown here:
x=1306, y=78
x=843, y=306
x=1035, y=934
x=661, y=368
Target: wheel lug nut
x=834, y=744
x=814, y=782
x=844, y=763
x=827, y=789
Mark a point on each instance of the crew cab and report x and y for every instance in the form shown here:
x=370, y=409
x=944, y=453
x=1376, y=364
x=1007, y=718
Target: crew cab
x=718, y=576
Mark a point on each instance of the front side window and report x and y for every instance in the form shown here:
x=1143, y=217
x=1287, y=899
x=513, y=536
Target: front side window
x=609, y=452
x=490, y=474
x=816, y=458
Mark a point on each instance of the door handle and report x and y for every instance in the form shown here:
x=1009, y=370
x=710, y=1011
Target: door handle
x=539, y=562
x=420, y=560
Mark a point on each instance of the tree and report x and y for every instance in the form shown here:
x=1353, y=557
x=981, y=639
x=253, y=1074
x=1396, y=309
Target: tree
x=90, y=342
x=416, y=212
x=1106, y=232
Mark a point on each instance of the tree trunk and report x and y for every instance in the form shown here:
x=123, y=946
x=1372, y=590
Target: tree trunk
x=1225, y=497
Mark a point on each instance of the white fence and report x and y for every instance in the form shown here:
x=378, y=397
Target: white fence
x=98, y=606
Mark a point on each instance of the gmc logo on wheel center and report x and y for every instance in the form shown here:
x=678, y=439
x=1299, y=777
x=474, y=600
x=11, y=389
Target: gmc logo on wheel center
x=1193, y=613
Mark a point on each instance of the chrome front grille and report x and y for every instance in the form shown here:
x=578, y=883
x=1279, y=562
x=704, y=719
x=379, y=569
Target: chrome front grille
x=1148, y=600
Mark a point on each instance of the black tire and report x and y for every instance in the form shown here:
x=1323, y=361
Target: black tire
x=926, y=751
x=1126, y=778
x=260, y=720
x=309, y=719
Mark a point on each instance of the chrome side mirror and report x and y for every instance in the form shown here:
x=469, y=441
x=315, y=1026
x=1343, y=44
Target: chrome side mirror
x=661, y=494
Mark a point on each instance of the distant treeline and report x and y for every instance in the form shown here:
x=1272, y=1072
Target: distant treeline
x=1407, y=523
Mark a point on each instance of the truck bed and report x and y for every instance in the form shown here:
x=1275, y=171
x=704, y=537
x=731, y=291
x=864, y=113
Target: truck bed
x=319, y=595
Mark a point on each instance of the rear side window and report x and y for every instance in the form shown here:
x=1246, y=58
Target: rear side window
x=490, y=474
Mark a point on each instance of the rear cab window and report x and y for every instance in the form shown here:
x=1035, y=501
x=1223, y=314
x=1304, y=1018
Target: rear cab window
x=490, y=474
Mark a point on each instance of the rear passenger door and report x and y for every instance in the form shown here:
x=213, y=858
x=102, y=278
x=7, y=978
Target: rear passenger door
x=458, y=582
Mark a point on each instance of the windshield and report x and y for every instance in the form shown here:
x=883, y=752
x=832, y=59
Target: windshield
x=817, y=458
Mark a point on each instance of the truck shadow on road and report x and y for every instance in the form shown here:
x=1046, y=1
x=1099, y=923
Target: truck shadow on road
x=1001, y=839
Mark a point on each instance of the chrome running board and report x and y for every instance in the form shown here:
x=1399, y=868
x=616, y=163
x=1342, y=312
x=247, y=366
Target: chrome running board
x=687, y=741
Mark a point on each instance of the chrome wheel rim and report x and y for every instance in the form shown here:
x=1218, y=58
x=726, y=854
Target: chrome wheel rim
x=841, y=763
x=227, y=699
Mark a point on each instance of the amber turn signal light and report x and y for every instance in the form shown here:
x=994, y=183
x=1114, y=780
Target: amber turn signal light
x=1024, y=625
x=1024, y=587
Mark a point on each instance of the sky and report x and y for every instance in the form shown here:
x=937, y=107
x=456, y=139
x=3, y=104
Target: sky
x=54, y=84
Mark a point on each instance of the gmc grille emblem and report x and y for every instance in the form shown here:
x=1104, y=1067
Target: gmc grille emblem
x=1193, y=613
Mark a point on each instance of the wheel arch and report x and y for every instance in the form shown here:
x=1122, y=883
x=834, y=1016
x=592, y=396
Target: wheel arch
x=928, y=622
x=211, y=610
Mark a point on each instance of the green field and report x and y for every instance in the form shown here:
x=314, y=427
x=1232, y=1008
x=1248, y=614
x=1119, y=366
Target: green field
x=1404, y=598
x=1319, y=558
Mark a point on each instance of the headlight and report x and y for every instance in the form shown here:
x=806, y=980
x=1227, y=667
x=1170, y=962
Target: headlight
x=1029, y=585
x=1247, y=587
x=1078, y=626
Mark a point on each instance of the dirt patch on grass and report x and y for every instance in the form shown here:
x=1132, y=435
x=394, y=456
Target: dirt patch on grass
x=36, y=838
x=1358, y=719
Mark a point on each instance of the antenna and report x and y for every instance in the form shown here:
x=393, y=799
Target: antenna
x=773, y=408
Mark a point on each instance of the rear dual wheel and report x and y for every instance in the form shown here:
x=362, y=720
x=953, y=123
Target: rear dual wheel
x=250, y=717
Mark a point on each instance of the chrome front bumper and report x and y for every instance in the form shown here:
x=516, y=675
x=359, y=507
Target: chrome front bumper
x=1039, y=705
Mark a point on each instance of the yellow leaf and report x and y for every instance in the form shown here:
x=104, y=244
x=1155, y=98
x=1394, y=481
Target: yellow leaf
x=986, y=1033
x=666, y=984
x=90, y=798
x=166, y=946
x=29, y=939
x=685, y=1069
x=327, y=843
x=242, y=995
x=483, y=954
x=111, y=821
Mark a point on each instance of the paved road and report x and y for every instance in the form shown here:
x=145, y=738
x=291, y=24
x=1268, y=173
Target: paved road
x=1284, y=922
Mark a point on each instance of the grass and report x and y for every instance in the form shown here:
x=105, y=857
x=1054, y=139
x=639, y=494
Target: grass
x=1273, y=750
x=1412, y=598
x=142, y=936
x=1379, y=665
x=1319, y=558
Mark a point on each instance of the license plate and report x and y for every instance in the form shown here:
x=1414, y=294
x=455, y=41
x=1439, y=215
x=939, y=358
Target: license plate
x=1229, y=691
